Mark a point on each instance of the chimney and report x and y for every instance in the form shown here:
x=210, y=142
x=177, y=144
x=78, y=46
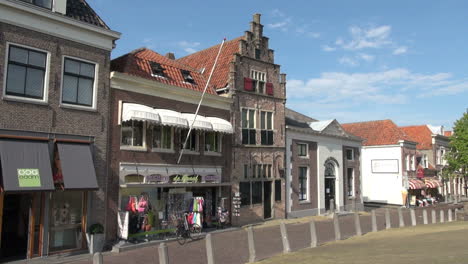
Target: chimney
x=60, y=6
x=256, y=18
x=170, y=56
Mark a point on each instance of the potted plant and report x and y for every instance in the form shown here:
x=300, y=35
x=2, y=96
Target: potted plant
x=95, y=238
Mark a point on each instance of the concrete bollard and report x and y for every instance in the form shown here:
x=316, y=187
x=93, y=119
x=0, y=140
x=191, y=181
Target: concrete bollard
x=313, y=234
x=332, y=205
x=413, y=217
x=163, y=255
x=456, y=214
x=450, y=215
x=442, y=216
x=336, y=224
x=250, y=238
x=209, y=249
x=434, y=216
x=374, y=221
x=388, y=224
x=425, y=220
x=97, y=258
x=354, y=205
x=357, y=224
x=401, y=221
x=284, y=238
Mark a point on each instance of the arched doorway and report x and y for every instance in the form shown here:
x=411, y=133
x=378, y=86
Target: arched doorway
x=330, y=179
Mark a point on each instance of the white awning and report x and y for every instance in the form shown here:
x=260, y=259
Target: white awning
x=201, y=122
x=171, y=118
x=221, y=125
x=139, y=112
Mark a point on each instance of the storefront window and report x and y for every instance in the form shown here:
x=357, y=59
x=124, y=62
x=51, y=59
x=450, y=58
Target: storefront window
x=133, y=133
x=162, y=137
x=244, y=188
x=66, y=221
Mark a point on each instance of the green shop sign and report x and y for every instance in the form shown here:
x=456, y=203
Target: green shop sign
x=29, y=178
x=185, y=179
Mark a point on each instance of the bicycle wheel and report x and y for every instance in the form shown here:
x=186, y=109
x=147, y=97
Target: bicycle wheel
x=195, y=231
x=181, y=237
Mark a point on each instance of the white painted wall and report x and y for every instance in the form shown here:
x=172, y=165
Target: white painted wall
x=381, y=187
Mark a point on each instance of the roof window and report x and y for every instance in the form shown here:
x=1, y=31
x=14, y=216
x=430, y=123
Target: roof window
x=42, y=3
x=157, y=69
x=187, y=76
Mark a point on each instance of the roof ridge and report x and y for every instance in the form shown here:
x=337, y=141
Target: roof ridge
x=204, y=50
x=94, y=13
x=361, y=122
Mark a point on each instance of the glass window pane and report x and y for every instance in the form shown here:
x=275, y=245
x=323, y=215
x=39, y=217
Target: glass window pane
x=244, y=189
x=252, y=135
x=245, y=136
x=85, y=91
x=87, y=70
x=251, y=119
x=18, y=55
x=16, y=79
x=137, y=133
x=262, y=120
x=256, y=192
x=37, y=59
x=35, y=83
x=157, y=137
x=44, y=3
x=127, y=132
x=72, y=66
x=269, y=121
x=244, y=118
x=70, y=84
x=167, y=134
x=278, y=190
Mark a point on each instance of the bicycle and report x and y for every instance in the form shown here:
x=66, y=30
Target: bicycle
x=186, y=231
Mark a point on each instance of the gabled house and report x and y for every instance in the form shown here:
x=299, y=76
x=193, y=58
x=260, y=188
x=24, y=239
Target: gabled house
x=54, y=68
x=247, y=74
x=323, y=166
x=388, y=160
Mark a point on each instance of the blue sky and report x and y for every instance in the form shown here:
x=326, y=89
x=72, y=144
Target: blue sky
x=349, y=60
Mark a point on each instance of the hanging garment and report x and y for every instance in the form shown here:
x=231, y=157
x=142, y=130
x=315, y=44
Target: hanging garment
x=142, y=204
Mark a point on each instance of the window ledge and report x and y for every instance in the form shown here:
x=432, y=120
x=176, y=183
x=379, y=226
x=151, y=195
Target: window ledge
x=24, y=100
x=190, y=152
x=351, y=197
x=212, y=153
x=303, y=157
x=78, y=107
x=130, y=148
x=162, y=150
x=305, y=202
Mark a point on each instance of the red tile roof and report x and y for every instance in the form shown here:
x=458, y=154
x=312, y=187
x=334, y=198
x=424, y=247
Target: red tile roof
x=448, y=133
x=421, y=134
x=381, y=132
x=137, y=63
x=204, y=59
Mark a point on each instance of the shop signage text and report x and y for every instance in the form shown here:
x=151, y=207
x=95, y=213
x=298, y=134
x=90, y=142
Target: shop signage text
x=185, y=179
x=156, y=178
x=29, y=178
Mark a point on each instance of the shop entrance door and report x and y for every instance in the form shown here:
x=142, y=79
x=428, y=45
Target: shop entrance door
x=267, y=200
x=21, y=226
x=329, y=192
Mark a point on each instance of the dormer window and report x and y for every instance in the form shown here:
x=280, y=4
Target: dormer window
x=42, y=3
x=187, y=76
x=157, y=69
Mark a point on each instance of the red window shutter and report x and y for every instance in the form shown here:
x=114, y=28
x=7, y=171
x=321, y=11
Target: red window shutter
x=248, y=85
x=269, y=88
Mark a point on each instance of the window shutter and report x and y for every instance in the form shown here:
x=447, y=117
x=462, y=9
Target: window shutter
x=269, y=88
x=248, y=84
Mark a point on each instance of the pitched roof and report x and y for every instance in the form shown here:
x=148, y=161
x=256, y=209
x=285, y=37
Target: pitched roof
x=448, y=133
x=137, y=63
x=381, y=132
x=321, y=125
x=203, y=61
x=298, y=116
x=80, y=10
x=421, y=134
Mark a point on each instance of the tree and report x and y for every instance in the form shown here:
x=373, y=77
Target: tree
x=457, y=157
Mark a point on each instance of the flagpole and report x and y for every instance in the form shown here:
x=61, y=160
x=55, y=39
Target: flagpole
x=199, y=103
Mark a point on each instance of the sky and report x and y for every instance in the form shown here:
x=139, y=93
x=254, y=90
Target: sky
x=347, y=60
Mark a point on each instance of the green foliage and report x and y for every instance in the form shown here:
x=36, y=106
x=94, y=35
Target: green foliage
x=96, y=229
x=457, y=157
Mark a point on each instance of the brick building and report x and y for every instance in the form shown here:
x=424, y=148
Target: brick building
x=247, y=74
x=54, y=81
x=153, y=102
x=323, y=167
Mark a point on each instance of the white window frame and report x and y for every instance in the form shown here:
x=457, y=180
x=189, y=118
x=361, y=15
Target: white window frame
x=352, y=191
x=135, y=148
x=168, y=150
x=299, y=148
x=425, y=161
x=352, y=153
x=413, y=162
x=220, y=144
x=197, y=143
x=266, y=124
x=93, y=107
x=407, y=160
x=307, y=200
x=248, y=121
x=259, y=76
x=45, y=99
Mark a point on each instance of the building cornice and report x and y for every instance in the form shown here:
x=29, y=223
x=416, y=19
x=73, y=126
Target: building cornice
x=45, y=21
x=316, y=133
x=125, y=82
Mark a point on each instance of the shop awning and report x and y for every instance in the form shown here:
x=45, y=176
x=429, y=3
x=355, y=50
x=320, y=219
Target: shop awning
x=171, y=118
x=415, y=184
x=139, y=112
x=201, y=122
x=221, y=125
x=77, y=166
x=25, y=166
x=433, y=183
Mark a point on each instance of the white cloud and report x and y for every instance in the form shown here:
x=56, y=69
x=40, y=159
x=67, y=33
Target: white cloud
x=315, y=35
x=366, y=57
x=348, y=61
x=282, y=25
x=149, y=43
x=361, y=38
x=188, y=47
x=400, y=50
x=328, y=48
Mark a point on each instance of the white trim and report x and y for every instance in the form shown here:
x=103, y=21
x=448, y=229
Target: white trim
x=45, y=21
x=45, y=98
x=307, y=200
x=307, y=150
x=259, y=80
x=93, y=106
x=144, y=146
x=352, y=154
x=165, y=150
x=125, y=82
